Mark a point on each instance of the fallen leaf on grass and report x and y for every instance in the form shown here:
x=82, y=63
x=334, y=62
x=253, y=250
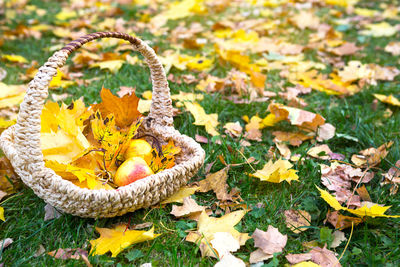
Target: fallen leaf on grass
x=117, y=239
x=5, y=243
x=306, y=264
x=393, y=177
x=210, y=121
x=2, y=214
x=71, y=253
x=112, y=65
x=320, y=152
x=371, y=156
x=182, y=193
x=393, y=48
x=297, y=220
x=338, y=238
x=271, y=241
x=294, y=138
x=50, y=213
x=340, y=221
x=224, y=243
x=207, y=227
x=324, y=257
x=295, y=116
x=325, y=132
x=216, y=182
x=14, y=58
x=228, y=260
x=297, y=258
x=390, y=99
x=277, y=172
x=372, y=210
x=189, y=209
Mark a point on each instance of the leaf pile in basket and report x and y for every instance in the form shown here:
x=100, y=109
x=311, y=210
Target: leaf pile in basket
x=99, y=147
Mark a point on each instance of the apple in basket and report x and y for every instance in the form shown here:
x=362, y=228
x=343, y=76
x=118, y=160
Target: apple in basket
x=138, y=148
x=131, y=170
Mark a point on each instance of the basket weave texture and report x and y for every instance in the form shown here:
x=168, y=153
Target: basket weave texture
x=21, y=145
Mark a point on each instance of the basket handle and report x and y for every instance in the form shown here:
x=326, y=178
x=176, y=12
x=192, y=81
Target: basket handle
x=27, y=129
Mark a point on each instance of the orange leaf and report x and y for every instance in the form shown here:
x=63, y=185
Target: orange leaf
x=124, y=108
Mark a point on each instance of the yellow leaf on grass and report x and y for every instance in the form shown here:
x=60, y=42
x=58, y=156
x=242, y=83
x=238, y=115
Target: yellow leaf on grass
x=15, y=58
x=207, y=227
x=2, y=214
x=112, y=65
x=295, y=116
x=58, y=81
x=277, y=172
x=210, y=121
x=117, y=239
x=379, y=29
x=388, y=99
x=373, y=210
x=66, y=171
x=181, y=194
x=11, y=95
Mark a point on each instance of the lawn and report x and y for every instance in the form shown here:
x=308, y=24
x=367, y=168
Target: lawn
x=281, y=41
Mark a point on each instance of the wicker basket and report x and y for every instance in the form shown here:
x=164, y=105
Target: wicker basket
x=21, y=145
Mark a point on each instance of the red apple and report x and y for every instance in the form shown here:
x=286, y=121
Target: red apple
x=138, y=148
x=131, y=170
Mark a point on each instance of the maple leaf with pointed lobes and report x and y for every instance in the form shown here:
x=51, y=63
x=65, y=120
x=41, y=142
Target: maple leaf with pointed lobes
x=181, y=194
x=276, y=172
x=210, y=121
x=124, y=108
x=166, y=159
x=117, y=239
x=208, y=226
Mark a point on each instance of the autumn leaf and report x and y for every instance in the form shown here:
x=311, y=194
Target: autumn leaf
x=164, y=160
x=189, y=209
x=124, y=109
x=14, y=58
x=112, y=65
x=181, y=194
x=72, y=172
x=2, y=214
x=117, y=239
x=210, y=121
x=11, y=95
x=372, y=210
x=276, y=172
x=207, y=227
x=297, y=220
x=388, y=99
x=217, y=183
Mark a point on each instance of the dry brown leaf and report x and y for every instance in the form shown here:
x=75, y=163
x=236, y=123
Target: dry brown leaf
x=217, y=183
x=294, y=138
x=259, y=255
x=371, y=156
x=320, y=152
x=340, y=221
x=297, y=219
x=124, y=109
x=338, y=238
x=297, y=258
x=393, y=177
x=71, y=253
x=51, y=213
x=324, y=257
x=284, y=150
x=208, y=226
x=189, y=208
x=345, y=49
x=271, y=241
x=363, y=193
x=5, y=243
x=325, y=132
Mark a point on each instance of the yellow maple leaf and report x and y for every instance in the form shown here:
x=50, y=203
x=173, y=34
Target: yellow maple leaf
x=301, y=118
x=208, y=226
x=165, y=160
x=15, y=58
x=181, y=194
x=117, y=239
x=2, y=214
x=112, y=65
x=61, y=146
x=382, y=29
x=388, y=99
x=373, y=210
x=58, y=81
x=11, y=95
x=277, y=172
x=210, y=121
x=67, y=170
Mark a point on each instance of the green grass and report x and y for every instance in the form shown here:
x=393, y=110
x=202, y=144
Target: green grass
x=374, y=243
